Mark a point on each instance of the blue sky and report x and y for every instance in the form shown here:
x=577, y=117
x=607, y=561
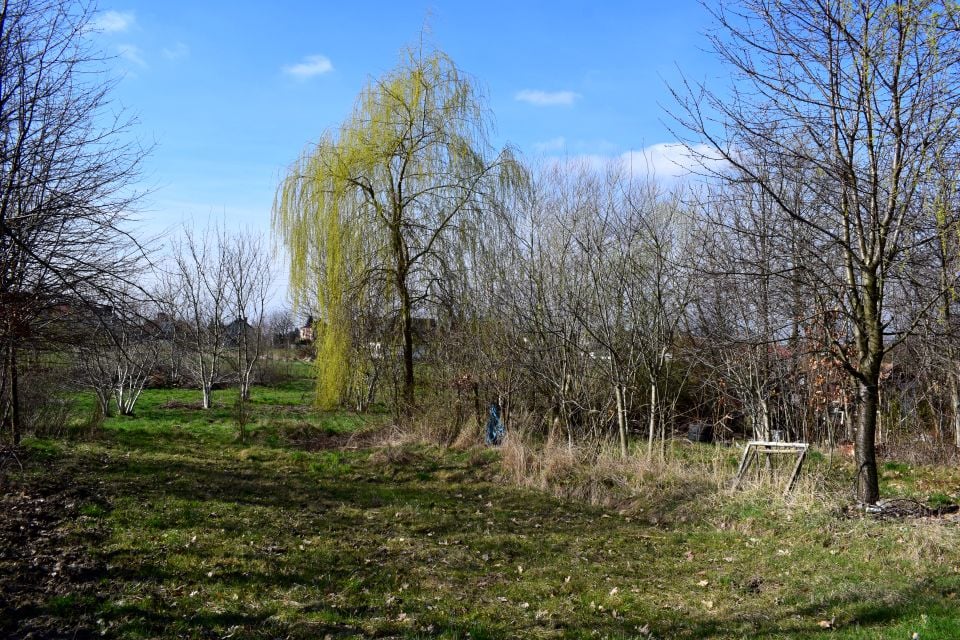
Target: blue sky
x=232, y=92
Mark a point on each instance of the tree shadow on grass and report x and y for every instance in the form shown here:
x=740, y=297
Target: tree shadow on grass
x=349, y=550
x=160, y=495
x=895, y=614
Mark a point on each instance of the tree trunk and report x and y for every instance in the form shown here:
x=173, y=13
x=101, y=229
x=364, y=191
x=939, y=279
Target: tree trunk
x=653, y=419
x=15, y=426
x=845, y=420
x=621, y=419
x=476, y=406
x=371, y=395
x=408, y=379
x=406, y=310
x=662, y=421
x=103, y=398
x=4, y=397
x=764, y=419
x=879, y=429
x=119, y=393
x=869, y=338
x=868, y=487
x=955, y=406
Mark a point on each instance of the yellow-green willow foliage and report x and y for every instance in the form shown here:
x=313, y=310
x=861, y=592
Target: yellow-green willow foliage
x=319, y=234
x=378, y=197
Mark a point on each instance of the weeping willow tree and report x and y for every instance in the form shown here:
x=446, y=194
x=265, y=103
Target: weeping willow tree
x=382, y=201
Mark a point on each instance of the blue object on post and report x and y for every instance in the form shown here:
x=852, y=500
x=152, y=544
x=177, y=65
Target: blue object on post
x=495, y=428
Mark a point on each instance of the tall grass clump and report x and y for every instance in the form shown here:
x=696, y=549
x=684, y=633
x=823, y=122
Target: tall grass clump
x=691, y=481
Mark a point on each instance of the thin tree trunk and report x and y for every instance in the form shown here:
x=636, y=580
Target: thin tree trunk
x=15, y=426
x=478, y=413
x=661, y=420
x=849, y=432
x=621, y=419
x=880, y=434
x=408, y=379
x=652, y=427
x=955, y=407
x=119, y=392
x=564, y=413
x=371, y=396
x=103, y=398
x=4, y=386
x=765, y=418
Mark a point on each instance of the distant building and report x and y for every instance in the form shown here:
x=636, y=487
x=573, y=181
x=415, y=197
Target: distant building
x=423, y=328
x=305, y=333
x=236, y=330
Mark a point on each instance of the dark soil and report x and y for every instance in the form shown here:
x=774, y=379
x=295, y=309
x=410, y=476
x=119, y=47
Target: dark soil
x=325, y=440
x=45, y=563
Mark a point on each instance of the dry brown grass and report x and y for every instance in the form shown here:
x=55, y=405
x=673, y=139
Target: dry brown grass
x=433, y=425
x=689, y=482
x=594, y=471
x=683, y=482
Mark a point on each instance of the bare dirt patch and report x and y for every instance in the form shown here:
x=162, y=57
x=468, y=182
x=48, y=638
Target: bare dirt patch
x=47, y=528
x=315, y=440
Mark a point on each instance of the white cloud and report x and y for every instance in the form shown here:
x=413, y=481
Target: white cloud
x=309, y=67
x=132, y=53
x=553, y=144
x=547, y=98
x=663, y=161
x=178, y=51
x=113, y=21
x=672, y=160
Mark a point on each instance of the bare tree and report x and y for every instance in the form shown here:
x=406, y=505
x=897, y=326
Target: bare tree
x=197, y=292
x=65, y=173
x=632, y=247
x=116, y=357
x=941, y=346
x=96, y=358
x=249, y=277
x=545, y=296
x=281, y=327
x=138, y=347
x=860, y=97
x=658, y=271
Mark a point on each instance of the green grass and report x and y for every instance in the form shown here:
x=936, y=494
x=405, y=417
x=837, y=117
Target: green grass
x=197, y=535
x=172, y=417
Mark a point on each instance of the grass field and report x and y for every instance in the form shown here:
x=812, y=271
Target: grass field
x=164, y=526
